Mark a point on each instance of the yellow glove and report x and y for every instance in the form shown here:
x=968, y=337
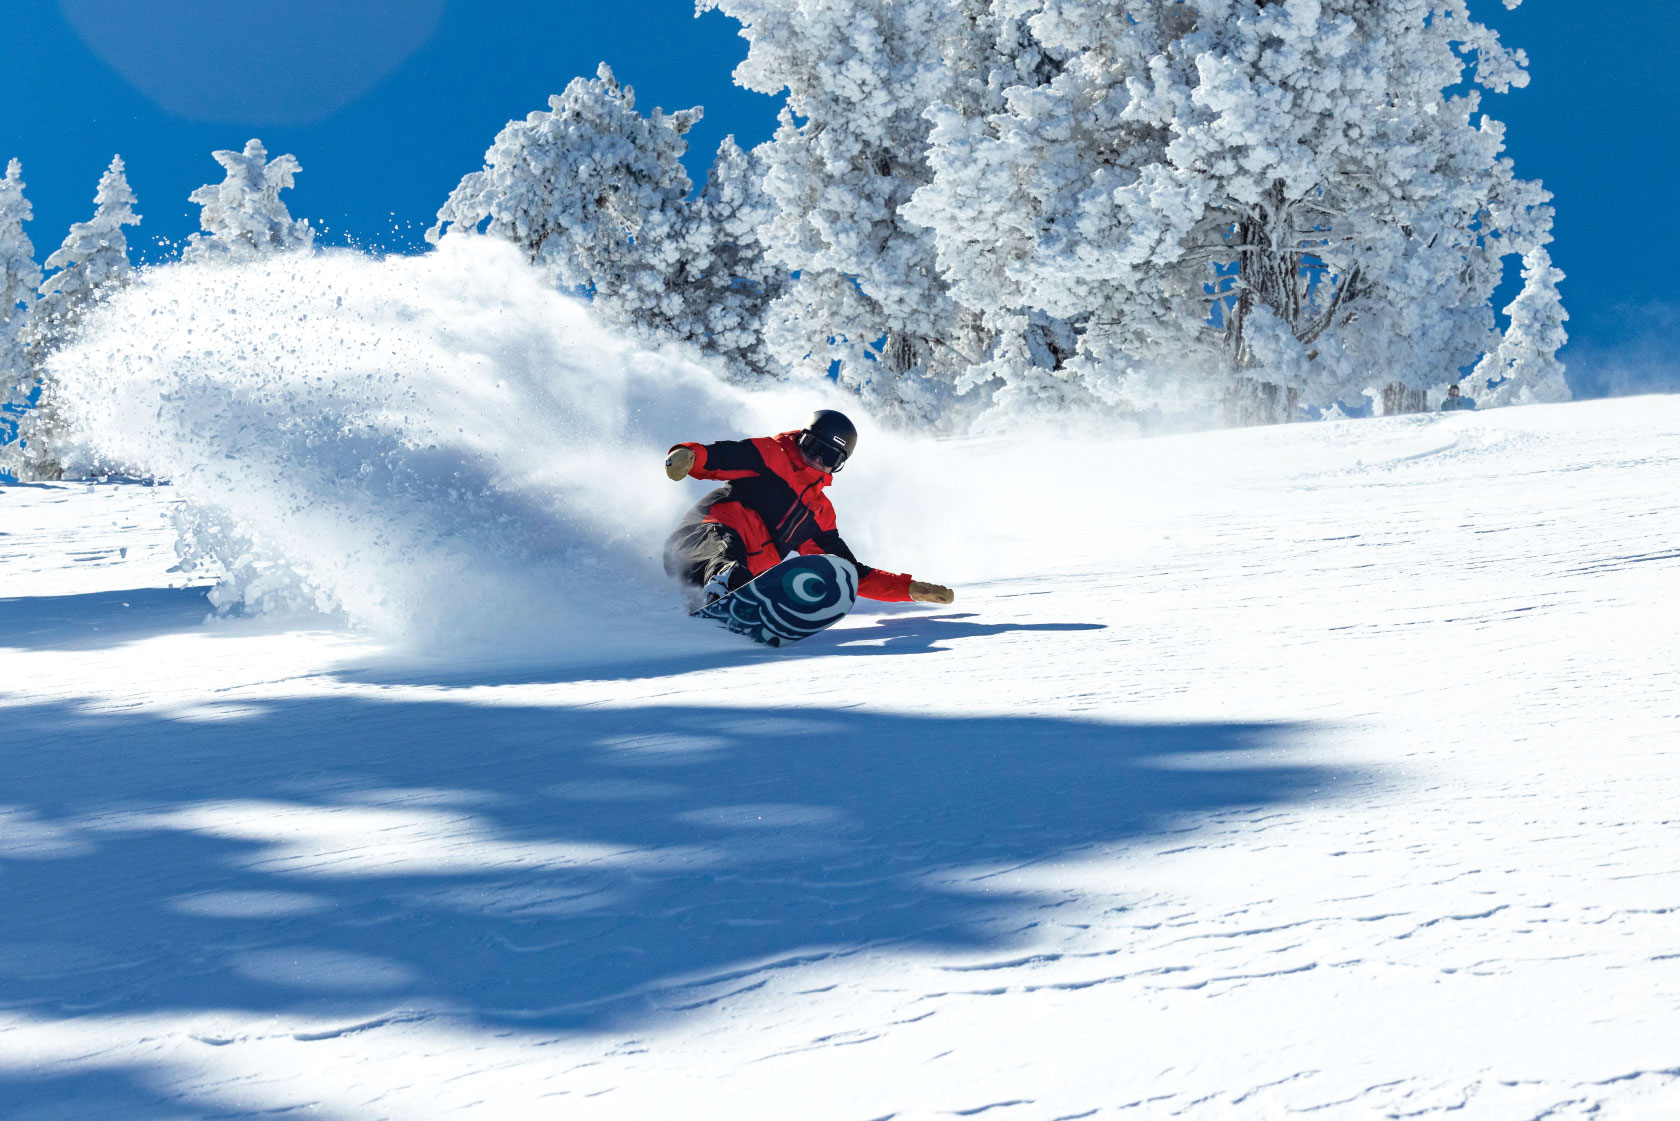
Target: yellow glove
x=678, y=464
x=923, y=592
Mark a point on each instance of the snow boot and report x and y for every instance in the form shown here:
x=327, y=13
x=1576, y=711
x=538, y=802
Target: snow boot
x=719, y=585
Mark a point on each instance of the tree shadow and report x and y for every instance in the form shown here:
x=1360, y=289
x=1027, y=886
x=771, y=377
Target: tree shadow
x=99, y=620
x=547, y=869
x=112, y=1092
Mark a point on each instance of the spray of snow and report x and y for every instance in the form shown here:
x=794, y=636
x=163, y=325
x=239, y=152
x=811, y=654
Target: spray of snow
x=438, y=447
x=446, y=450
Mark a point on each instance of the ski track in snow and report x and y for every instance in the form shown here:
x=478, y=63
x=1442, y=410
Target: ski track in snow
x=1327, y=771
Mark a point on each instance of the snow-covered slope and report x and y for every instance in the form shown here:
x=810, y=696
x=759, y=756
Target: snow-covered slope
x=1322, y=769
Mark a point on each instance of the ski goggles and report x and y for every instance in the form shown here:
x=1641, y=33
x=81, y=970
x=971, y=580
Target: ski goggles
x=820, y=453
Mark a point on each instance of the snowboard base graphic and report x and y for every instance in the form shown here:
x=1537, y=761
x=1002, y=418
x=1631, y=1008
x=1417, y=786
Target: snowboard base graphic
x=794, y=600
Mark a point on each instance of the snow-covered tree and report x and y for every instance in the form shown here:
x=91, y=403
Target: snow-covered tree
x=724, y=279
x=989, y=51
x=848, y=155
x=596, y=194
x=1525, y=369
x=19, y=277
x=242, y=216
x=1257, y=202
x=590, y=190
x=93, y=259
x=91, y=263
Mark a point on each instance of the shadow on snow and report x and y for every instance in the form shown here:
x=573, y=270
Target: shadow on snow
x=916, y=633
x=911, y=632
x=546, y=869
x=98, y=620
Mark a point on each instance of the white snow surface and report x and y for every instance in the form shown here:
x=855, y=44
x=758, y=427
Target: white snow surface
x=1324, y=770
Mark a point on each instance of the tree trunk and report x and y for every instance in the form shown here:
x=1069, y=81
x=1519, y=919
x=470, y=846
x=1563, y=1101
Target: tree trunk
x=901, y=352
x=1397, y=399
x=1251, y=402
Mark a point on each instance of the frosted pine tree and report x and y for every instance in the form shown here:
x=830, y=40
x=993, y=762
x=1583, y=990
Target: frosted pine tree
x=1244, y=202
x=972, y=204
x=92, y=262
x=94, y=257
x=19, y=276
x=1525, y=366
x=589, y=190
x=242, y=216
x=724, y=278
x=596, y=195
x=848, y=155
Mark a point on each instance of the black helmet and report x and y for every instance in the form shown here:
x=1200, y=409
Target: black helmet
x=828, y=440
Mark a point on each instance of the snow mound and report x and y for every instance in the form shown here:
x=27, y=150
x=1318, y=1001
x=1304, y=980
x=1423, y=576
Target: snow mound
x=439, y=447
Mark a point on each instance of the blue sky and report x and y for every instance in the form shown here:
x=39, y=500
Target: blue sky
x=387, y=103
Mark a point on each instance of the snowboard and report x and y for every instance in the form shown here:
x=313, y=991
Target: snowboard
x=794, y=600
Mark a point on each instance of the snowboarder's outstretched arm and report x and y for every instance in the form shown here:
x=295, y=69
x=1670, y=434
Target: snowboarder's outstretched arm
x=726, y=459
x=875, y=583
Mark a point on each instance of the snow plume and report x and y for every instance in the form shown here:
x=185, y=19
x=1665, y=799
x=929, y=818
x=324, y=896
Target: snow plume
x=439, y=447
x=448, y=452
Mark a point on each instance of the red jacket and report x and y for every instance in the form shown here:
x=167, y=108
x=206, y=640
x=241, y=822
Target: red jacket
x=774, y=500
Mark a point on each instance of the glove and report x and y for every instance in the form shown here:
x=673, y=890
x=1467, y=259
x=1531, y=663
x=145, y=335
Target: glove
x=678, y=464
x=923, y=592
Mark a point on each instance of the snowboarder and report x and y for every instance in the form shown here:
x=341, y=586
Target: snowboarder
x=771, y=504
x=1454, y=402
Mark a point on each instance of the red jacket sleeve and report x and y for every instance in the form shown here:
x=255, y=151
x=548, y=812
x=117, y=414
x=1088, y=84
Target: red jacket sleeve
x=873, y=583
